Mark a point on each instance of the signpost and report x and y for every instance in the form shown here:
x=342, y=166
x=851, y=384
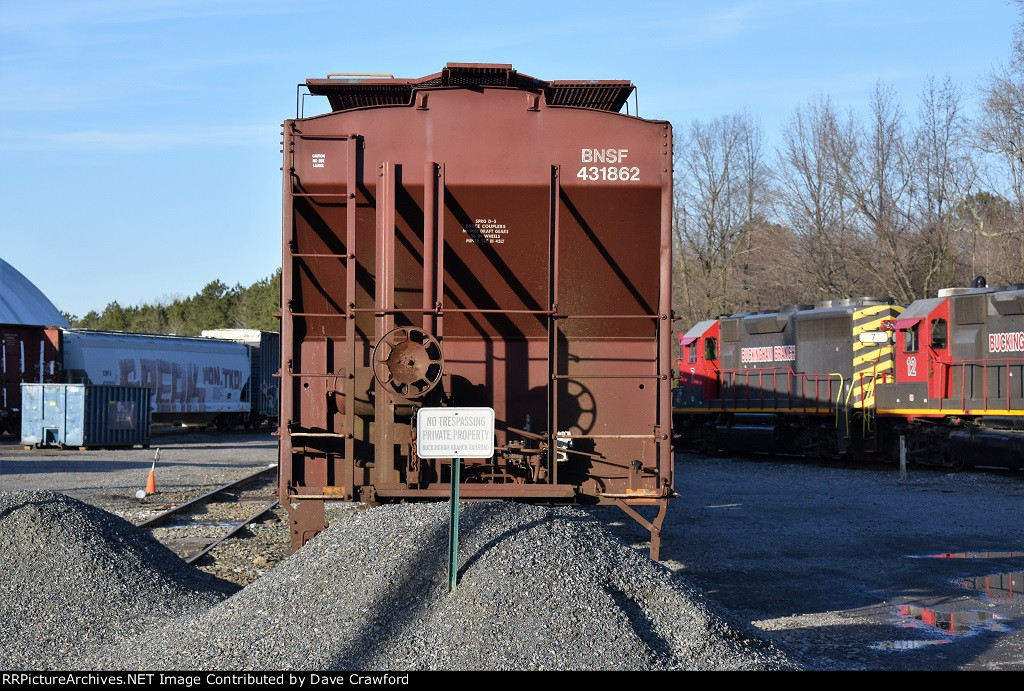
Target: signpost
x=453, y=528
x=454, y=433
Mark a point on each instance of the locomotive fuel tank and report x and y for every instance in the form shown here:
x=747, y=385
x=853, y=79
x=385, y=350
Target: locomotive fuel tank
x=1003, y=448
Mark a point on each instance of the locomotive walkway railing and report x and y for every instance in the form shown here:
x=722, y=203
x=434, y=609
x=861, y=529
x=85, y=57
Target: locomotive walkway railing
x=997, y=373
x=762, y=388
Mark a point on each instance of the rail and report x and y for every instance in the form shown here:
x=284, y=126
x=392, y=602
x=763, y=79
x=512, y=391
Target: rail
x=234, y=528
x=232, y=532
x=180, y=508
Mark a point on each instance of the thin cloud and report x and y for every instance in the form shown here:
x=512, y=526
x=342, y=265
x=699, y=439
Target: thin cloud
x=740, y=19
x=55, y=14
x=137, y=142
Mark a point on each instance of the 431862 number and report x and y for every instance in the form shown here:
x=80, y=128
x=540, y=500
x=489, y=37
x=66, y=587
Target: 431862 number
x=609, y=173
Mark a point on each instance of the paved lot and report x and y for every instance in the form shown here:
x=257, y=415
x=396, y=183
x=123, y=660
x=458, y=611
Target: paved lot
x=847, y=564
x=185, y=465
x=844, y=565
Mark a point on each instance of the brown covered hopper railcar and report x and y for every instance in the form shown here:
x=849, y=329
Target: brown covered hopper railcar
x=476, y=268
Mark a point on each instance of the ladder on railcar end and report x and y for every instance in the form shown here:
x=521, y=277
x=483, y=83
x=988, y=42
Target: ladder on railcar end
x=308, y=516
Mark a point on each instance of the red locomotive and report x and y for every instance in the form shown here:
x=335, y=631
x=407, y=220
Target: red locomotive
x=943, y=375
x=957, y=393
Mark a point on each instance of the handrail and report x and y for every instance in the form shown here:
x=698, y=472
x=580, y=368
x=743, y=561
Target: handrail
x=742, y=377
x=867, y=388
x=947, y=368
x=839, y=397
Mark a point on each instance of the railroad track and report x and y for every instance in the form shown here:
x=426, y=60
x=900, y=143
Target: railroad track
x=194, y=528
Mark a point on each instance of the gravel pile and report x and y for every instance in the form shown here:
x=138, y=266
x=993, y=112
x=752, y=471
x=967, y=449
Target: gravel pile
x=538, y=589
x=74, y=579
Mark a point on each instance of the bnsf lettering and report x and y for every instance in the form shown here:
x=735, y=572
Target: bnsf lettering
x=603, y=155
x=1006, y=342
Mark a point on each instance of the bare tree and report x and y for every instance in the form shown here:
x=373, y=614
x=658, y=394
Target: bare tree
x=1000, y=135
x=811, y=199
x=1002, y=130
x=718, y=205
x=878, y=205
x=944, y=172
x=877, y=179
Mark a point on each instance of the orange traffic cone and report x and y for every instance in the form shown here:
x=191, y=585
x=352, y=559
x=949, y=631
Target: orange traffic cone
x=151, y=480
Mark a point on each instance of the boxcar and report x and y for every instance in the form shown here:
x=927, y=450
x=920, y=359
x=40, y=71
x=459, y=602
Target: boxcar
x=263, y=391
x=476, y=271
x=28, y=354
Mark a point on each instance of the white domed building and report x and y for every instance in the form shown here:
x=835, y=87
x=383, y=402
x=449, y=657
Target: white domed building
x=30, y=336
x=21, y=302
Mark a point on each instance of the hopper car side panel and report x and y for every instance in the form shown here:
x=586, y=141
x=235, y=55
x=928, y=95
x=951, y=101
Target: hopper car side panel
x=468, y=249
x=192, y=380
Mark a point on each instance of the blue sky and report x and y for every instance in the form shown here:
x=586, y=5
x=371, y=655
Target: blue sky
x=140, y=138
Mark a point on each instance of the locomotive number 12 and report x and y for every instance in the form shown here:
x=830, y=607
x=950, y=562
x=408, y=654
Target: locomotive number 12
x=622, y=174
x=911, y=366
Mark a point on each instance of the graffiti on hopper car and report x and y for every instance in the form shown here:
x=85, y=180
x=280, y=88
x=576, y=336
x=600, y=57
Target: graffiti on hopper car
x=183, y=386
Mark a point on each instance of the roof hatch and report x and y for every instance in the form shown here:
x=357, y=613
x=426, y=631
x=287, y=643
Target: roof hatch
x=346, y=91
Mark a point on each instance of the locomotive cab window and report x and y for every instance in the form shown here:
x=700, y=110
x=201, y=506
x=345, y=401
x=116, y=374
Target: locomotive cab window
x=939, y=332
x=691, y=352
x=711, y=349
x=910, y=339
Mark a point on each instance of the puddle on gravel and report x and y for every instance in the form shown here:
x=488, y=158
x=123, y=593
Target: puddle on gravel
x=906, y=645
x=976, y=555
x=951, y=624
x=954, y=623
x=1000, y=587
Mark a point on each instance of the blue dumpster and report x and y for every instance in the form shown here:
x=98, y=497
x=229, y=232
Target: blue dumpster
x=85, y=415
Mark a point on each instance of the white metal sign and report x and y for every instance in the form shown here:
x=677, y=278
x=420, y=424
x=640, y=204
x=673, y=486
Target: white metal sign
x=873, y=337
x=455, y=432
